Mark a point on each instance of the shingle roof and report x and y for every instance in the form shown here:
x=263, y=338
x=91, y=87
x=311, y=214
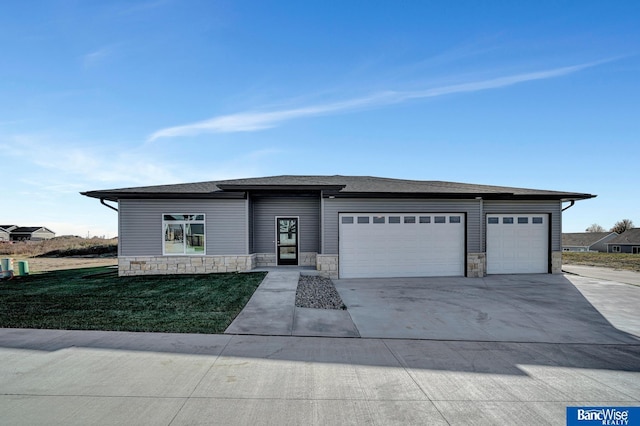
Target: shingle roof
x=28, y=229
x=348, y=185
x=630, y=236
x=582, y=239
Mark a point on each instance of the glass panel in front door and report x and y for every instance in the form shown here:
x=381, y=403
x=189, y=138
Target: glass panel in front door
x=288, y=232
x=287, y=253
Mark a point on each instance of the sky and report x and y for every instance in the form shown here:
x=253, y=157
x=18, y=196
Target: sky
x=114, y=94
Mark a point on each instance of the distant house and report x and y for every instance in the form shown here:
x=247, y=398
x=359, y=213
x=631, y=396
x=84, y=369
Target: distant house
x=586, y=241
x=5, y=232
x=627, y=242
x=31, y=233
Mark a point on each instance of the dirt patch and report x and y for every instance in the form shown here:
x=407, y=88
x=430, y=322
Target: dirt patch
x=619, y=261
x=46, y=264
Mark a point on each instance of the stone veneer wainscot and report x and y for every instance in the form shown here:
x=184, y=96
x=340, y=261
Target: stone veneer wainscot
x=159, y=265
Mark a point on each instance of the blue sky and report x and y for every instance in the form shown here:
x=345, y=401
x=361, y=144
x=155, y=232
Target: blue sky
x=111, y=94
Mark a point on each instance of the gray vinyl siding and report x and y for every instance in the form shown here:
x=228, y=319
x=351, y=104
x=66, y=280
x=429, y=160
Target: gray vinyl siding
x=602, y=244
x=140, y=225
x=624, y=248
x=250, y=213
x=332, y=207
x=42, y=235
x=553, y=208
x=266, y=209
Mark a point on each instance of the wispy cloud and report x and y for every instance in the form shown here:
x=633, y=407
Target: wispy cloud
x=97, y=56
x=57, y=167
x=91, y=164
x=259, y=120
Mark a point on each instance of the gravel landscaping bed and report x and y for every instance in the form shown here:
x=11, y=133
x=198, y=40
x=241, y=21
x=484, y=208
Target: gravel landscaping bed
x=317, y=292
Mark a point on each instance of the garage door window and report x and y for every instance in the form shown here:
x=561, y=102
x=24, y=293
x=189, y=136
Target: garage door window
x=493, y=221
x=363, y=219
x=394, y=219
x=347, y=219
x=409, y=219
x=507, y=220
x=523, y=220
x=440, y=219
x=425, y=219
x=378, y=219
x=454, y=219
x=537, y=220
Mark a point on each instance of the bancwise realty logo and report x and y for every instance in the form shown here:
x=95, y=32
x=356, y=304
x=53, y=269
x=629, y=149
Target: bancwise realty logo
x=618, y=416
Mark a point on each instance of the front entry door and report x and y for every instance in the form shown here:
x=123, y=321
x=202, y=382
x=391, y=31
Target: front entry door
x=287, y=228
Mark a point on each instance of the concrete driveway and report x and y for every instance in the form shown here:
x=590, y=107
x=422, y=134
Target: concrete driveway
x=505, y=308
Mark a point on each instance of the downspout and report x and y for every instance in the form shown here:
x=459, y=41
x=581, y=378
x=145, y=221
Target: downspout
x=570, y=205
x=107, y=205
x=321, y=222
x=481, y=223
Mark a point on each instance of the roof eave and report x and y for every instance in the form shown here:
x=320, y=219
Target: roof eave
x=115, y=196
x=458, y=195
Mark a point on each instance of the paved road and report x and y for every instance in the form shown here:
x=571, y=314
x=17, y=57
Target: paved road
x=86, y=377
x=627, y=277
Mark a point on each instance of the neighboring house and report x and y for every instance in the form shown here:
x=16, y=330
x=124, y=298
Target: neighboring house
x=344, y=226
x=586, y=241
x=32, y=233
x=627, y=242
x=5, y=232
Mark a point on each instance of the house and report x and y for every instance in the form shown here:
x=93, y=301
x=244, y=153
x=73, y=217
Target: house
x=31, y=233
x=627, y=242
x=5, y=232
x=345, y=226
x=586, y=241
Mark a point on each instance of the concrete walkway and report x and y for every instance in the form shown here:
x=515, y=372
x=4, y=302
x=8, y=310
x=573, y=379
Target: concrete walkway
x=57, y=377
x=627, y=277
x=271, y=311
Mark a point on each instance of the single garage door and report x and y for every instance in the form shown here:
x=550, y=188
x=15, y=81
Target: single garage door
x=517, y=243
x=401, y=244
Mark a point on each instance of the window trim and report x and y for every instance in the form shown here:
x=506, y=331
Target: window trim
x=184, y=222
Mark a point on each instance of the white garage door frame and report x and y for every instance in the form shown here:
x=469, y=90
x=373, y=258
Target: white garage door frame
x=383, y=244
x=518, y=243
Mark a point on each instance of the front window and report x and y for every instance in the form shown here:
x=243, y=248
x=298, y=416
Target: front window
x=183, y=233
x=615, y=249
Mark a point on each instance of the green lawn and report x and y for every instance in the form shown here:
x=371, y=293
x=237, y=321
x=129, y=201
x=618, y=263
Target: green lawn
x=97, y=299
x=629, y=262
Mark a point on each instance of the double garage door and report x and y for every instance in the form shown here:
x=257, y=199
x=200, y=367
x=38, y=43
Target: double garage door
x=433, y=244
x=401, y=244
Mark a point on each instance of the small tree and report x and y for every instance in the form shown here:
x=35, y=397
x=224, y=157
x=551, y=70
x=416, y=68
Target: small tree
x=595, y=228
x=622, y=225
